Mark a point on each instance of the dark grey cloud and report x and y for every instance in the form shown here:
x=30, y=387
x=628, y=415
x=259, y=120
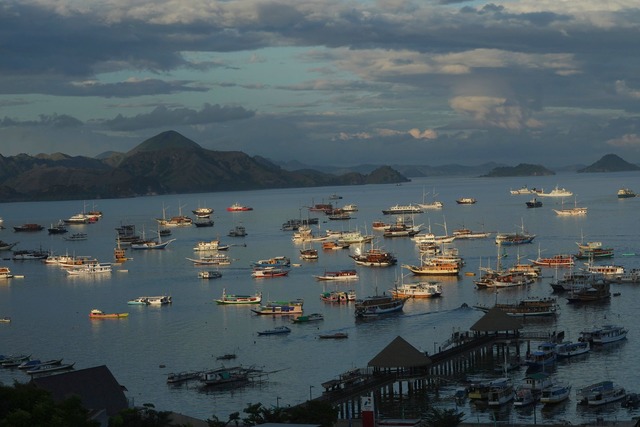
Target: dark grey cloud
x=55, y=121
x=163, y=117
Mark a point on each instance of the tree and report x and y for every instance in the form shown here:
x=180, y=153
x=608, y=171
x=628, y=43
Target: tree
x=25, y=405
x=146, y=416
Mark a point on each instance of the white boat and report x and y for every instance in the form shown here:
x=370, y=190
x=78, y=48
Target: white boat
x=208, y=274
x=601, y=393
x=417, y=290
x=604, y=335
x=138, y=301
x=151, y=244
x=521, y=190
x=338, y=275
x=466, y=201
x=213, y=259
x=43, y=369
x=90, y=269
x=159, y=300
x=5, y=273
x=569, y=348
x=500, y=392
x=354, y=237
x=239, y=299
x=350, y=208
x=26, y=255
x=605, y=270
x=574, y=211
x=402, y=209
x=555, y=394
x=211, y=245
x=75, y=237
x=556, y=192
x=268, y=272
x=238, y=231
x=465, y=233
x=202, y=212
x=79, y=218
x=625, y=193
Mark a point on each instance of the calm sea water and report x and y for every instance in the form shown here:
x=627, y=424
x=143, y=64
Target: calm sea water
x=50, y=310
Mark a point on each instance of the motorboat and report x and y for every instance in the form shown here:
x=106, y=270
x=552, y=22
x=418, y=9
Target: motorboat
x=556, y=192
x=560, y=260
x=465, y=233
x=534, y=203
x=99, y=314
x=523, y=190
x=402, y=210
x=33, y=363
x=280, y=308
x=268, y=272
x=278, y=330
x=211, y=245
x=336, y=335
x=417, y=290
x=308, y=254
x=59, y=228
x=90, y=269
x=202, y=212
x=334, y=245
x=592, y=250
x=313, y=317
x=159, y=299
x=526, y=307
x=545, y=355
x=236, y=207
x=277, y=261
x=30, y=227
x=4, y=246
x=338, y=275
x=76, y=237
x=26, y=255
x=338, y=296
x=374, y=258
x=203, y=222
x=237, y=231
x=604, y=335
x=601, y=393
x=212, y=259
x=151, y=244
x=5, y=273
x=555, y=394
x=239, y=299
x=625, y=193
x=209, y=274
x=378, y=305
x=569, y=348
x=466, y=201
x=45, y=369
x=80, y=218
x=139, y=301
x=500, y=392
x=596, y=291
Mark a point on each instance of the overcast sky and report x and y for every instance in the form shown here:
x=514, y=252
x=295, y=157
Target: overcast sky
x=325, y=82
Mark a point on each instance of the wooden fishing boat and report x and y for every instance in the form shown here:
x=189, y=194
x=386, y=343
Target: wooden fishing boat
x=99, y=314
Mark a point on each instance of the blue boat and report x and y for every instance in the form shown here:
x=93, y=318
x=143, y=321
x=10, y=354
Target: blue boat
x=279, y=330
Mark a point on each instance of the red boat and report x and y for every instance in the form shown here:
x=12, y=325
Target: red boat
x=238, y=208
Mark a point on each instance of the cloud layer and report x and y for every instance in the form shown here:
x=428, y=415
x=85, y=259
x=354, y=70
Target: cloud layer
x=443, y=80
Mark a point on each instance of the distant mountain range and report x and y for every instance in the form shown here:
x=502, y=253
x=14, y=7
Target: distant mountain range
x=170, y=163
x=164, y=164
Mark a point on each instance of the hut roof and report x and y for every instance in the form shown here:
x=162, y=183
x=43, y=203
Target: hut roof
x=496, y=320
x=96, y=387
x=400, y=354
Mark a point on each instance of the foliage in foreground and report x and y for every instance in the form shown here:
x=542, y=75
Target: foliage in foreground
x=25, y=405
x=311, y=412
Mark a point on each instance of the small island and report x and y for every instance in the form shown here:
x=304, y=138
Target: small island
x=523, y=169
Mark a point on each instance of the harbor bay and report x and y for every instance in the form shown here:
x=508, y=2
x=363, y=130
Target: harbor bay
x=49, y=309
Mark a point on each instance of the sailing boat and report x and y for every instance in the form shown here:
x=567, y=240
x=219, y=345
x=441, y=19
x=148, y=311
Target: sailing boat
x=575, y=211
x=433, y=205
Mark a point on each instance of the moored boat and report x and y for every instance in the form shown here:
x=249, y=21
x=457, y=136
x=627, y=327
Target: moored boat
x=213, y=259
x=466, y=201
x=236, y=207
x=58, y=228
x=374, y=258
x=625, y=193
x=402, y=209
x=237, y=231
x=262, y=272
x=99, y=314
x=534, y=203
x=556, y=192
x=202, y=212
x=526, y=307
x=338, y=275
x=560, y=260
x=555, y=394
x=417, y=290
x=28, y=227
x=44, y=369
x=604, y=335
x=239, y=299
x=75, y=237
x=336, y=335
x=275, y=308
x=338, y=296
x=601, y=393
x=591, y=250
x=209, y=274
x=90, y=269
x=569, y=348
x=5, y=273
x=306, y=318
x=378, y=305
x=278, y=330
